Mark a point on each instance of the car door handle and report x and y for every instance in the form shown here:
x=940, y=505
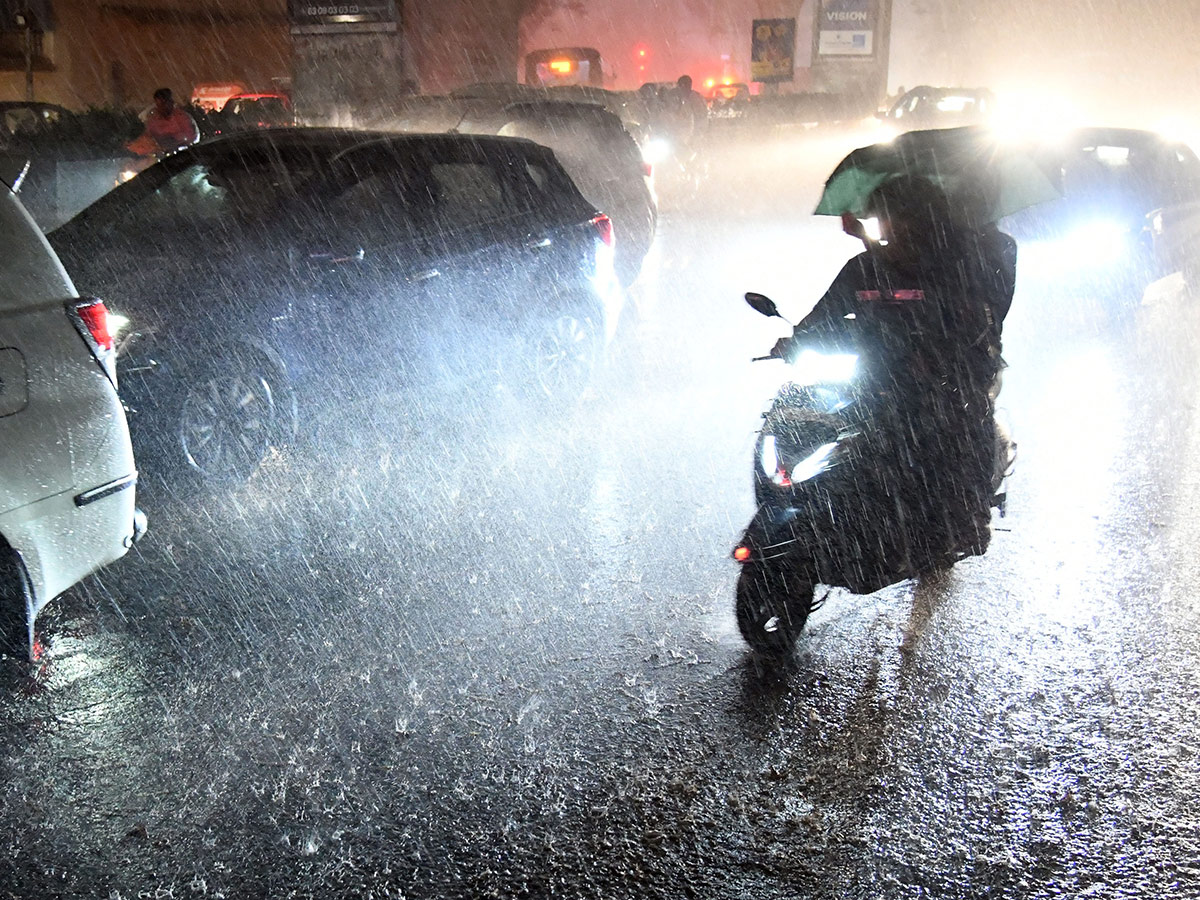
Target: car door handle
x=424, y=275
x=538, y=243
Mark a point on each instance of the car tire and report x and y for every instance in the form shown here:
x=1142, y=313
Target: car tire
x=230, y=414
x=558, y=357
x=16, y=607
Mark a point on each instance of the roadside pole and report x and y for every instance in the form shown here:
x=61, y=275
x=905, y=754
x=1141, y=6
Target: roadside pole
x=25, y=23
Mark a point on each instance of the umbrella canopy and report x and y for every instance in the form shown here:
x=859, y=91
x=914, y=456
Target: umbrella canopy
x=984, y=178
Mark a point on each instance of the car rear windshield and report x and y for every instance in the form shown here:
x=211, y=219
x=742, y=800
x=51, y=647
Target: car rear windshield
x=29, y=270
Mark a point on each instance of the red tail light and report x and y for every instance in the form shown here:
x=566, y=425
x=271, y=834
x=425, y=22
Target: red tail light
x=95, y=318
x=648, y=168
x=90, y=317
x=604, y=228
x=742, y=553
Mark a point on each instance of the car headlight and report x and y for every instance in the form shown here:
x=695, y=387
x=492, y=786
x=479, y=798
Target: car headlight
x=656, y=150
x=1099, y=239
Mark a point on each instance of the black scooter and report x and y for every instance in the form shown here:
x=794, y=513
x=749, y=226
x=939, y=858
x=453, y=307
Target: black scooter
x=837, y=504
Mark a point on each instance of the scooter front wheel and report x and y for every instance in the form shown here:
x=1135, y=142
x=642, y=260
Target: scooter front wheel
x=772, y=607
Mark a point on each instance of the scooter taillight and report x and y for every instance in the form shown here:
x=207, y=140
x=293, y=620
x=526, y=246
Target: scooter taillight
x=741, y=553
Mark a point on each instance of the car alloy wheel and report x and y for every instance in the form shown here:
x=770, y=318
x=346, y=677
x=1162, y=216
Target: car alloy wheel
x=565, y=356
x=226, y=424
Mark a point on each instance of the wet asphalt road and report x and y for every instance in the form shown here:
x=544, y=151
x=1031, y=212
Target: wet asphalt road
x=506, y=665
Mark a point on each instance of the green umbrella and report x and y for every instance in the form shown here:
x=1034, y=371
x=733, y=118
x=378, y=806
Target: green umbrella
x=977, y=172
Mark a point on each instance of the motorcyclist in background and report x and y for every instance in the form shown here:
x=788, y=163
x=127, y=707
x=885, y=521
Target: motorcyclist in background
x=925, y=307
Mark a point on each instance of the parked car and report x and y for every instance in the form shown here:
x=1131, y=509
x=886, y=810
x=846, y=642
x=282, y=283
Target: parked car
x=67, y=478
x=602, y=159
x=22, y=118
x=1100, y=235
x=272, y=276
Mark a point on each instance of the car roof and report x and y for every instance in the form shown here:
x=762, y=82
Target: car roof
x=1116, y=137
x=335, y=141
x=30, y=104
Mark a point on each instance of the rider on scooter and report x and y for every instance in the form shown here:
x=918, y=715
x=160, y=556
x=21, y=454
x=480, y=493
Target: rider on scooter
x=925, y=306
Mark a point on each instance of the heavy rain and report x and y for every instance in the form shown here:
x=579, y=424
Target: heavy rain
x=492, y=549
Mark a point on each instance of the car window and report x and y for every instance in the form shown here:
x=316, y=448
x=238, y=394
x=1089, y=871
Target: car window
x=22, y=120
x=380, y=206
x=186, y=196
x=227, y=191
x=466, y=193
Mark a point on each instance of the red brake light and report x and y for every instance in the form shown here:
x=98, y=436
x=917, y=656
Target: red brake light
x=741, y=553
x=648, y=168
x=95, y=317
x=604, y=227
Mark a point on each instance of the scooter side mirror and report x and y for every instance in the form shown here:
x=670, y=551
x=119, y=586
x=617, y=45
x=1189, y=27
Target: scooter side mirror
x=763, y=304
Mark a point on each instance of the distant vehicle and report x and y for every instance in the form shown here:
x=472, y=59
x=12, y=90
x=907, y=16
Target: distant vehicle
x=602, y=159
x=565, y=66
x=247, y=111
x=728, y=101
x=1101, y=234
x=276, y=279
x=67, y=477
x=21, y=118
x=212, y=96
x=940, y=107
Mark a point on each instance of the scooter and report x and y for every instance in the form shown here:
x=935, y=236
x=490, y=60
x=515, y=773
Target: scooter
x=838, y=505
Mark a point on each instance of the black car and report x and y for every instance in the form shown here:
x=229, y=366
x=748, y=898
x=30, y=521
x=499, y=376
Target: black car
x=591, y=141
x=602, y=158
x=274, y=277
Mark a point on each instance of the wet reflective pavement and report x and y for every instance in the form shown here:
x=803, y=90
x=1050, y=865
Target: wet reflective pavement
x=506, y=665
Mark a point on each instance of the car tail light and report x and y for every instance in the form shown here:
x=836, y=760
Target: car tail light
x=90, y=317
x=648, y=168
x=604, y=227
x=742, y=553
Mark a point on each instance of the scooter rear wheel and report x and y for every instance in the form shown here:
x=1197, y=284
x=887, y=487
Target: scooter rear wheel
x=772, y=607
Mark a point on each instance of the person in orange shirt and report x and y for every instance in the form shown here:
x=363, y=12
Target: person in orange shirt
x=168, y=128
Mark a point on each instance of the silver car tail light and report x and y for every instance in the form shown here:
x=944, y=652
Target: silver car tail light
x=90, y=317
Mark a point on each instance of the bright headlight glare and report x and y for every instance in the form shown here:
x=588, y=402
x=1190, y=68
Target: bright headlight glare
x=1101, y=239
x=656, y=150
x=126, y=174
x=813, y=367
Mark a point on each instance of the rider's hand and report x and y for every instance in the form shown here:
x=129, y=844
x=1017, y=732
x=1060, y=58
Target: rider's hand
x=854, y=227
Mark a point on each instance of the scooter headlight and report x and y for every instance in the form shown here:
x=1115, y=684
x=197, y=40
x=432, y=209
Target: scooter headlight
x=813, y=367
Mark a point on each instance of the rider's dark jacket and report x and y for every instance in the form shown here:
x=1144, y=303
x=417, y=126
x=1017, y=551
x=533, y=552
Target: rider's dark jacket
x=934, y=326
x=929, y=335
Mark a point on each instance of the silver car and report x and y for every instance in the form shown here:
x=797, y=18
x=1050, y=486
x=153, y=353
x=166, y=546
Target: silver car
x=67, y=476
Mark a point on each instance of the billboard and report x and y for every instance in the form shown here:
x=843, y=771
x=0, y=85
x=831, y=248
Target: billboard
x=319, y=15
x=773, y=50
x=846, y=28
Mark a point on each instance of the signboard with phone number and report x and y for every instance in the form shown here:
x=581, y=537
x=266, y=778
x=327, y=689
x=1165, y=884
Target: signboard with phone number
x=307, y=14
